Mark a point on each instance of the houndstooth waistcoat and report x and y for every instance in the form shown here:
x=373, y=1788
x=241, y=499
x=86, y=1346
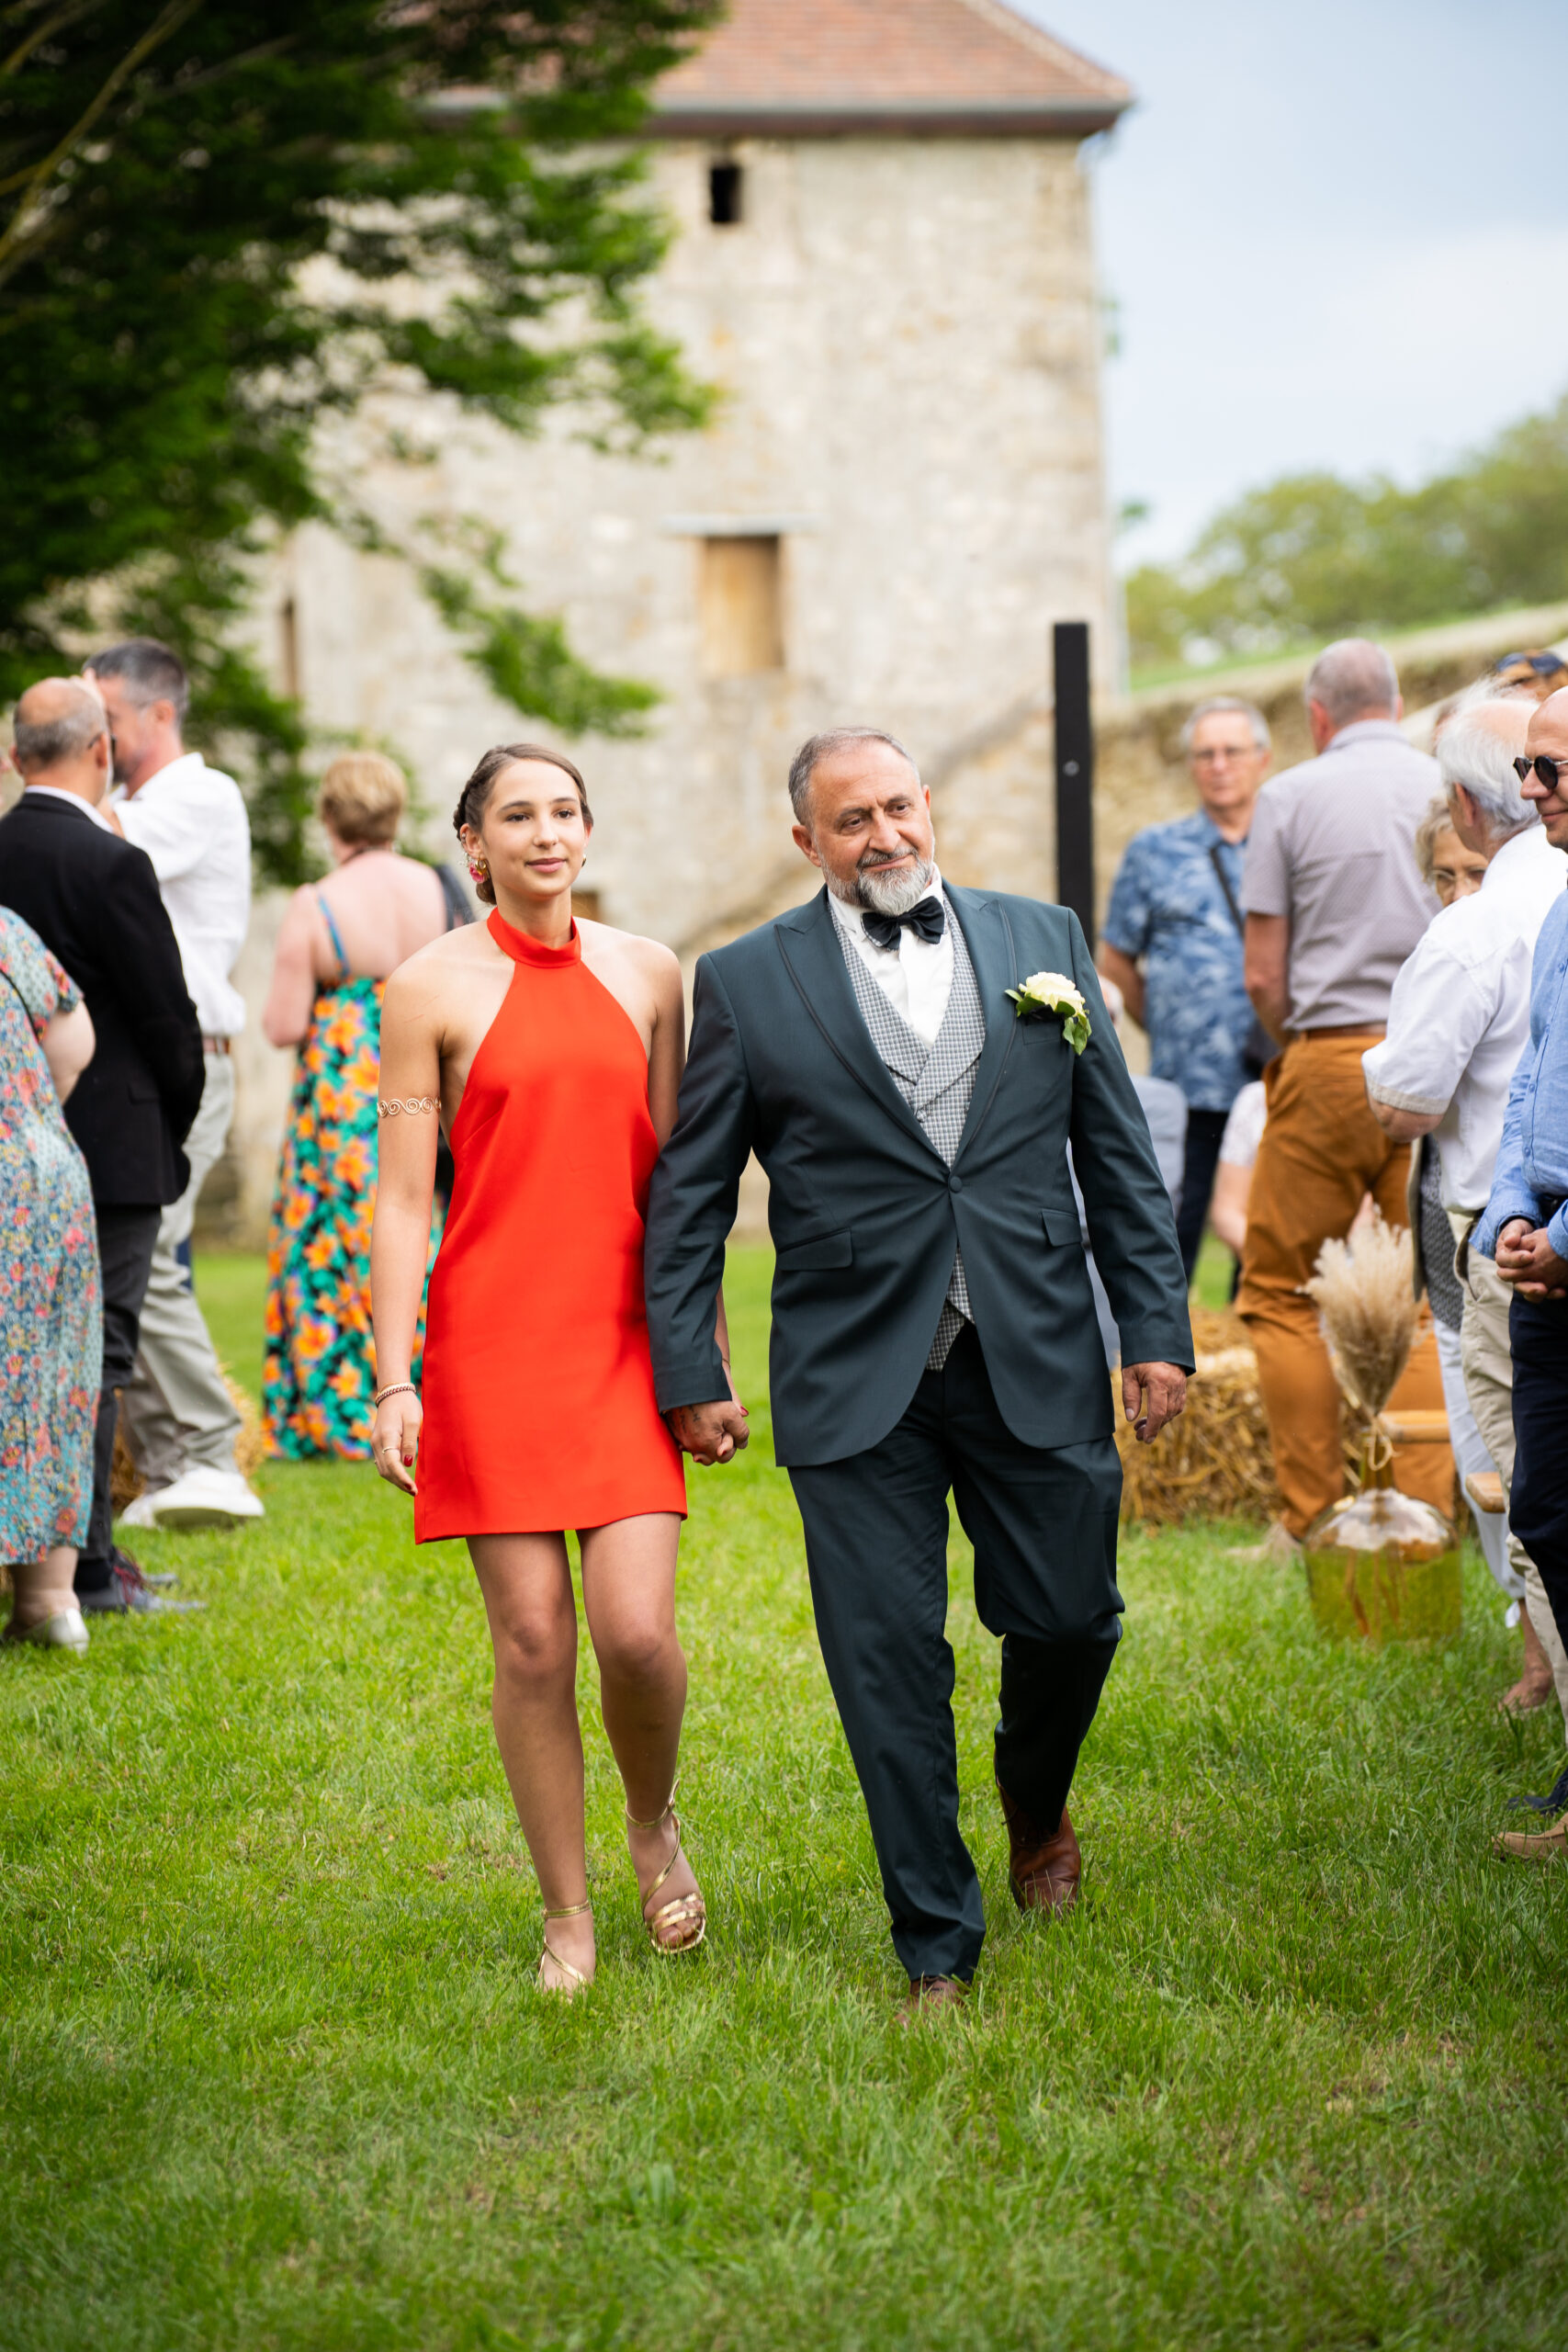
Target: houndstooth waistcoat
x=936, y=1082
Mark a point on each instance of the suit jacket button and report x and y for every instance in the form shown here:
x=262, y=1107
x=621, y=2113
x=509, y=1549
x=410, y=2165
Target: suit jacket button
x=955, y=1183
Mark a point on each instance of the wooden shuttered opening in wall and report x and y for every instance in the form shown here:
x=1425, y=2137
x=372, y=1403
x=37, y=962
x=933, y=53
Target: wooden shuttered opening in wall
x=740, y=606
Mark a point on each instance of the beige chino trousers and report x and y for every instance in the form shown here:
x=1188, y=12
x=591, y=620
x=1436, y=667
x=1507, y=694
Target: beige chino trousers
x=1489, y=1384
x=176, y=1411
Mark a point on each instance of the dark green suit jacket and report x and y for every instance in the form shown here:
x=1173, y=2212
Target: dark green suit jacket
x=866, y=1217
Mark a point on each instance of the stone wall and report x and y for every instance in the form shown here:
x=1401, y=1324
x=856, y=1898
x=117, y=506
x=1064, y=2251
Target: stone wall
x=906, y=335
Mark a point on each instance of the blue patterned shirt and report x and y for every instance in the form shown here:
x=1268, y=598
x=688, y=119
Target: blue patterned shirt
x=1167, y=909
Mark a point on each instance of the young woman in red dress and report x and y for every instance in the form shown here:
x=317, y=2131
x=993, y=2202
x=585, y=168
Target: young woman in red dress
x=551, y=1051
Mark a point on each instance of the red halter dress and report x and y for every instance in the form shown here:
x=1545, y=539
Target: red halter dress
x=539, y=1409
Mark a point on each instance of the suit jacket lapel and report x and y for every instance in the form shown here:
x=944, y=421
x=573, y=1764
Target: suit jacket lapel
x=989, y=938
x=815, y=959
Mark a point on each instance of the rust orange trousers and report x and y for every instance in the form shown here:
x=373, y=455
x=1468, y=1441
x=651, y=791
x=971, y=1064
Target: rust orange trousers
x=1322, y=1150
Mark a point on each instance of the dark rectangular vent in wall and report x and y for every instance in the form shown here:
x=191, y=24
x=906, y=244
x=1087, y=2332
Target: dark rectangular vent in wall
x=724, y=194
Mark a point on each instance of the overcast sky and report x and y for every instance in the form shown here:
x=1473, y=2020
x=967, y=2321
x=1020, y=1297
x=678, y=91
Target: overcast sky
x=1337, y=236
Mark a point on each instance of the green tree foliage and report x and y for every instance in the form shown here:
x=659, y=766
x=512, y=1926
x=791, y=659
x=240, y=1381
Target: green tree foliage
x=211, y=212
x=1311, y=556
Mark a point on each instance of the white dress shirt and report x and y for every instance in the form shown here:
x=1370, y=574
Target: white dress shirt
x=191, y=821
x=1460, y=1016
x=916, y=976
x=53, y=792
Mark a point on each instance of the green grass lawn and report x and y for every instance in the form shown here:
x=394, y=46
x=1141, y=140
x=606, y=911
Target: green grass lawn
x=273, y=2072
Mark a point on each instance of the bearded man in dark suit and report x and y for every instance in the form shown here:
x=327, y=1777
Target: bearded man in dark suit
x=94, y=901
x=912, y=1101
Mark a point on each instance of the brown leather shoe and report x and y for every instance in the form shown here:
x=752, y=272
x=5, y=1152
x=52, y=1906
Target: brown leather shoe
x=928, y=1993
x=1536, y=1844
x=1044, y=1869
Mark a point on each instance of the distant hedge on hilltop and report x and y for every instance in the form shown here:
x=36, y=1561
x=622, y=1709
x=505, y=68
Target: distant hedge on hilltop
x=1311, y=556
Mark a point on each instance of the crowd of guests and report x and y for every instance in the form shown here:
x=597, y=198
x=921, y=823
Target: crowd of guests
x=125, y=895
x=1352, y=972
x=1350, y=976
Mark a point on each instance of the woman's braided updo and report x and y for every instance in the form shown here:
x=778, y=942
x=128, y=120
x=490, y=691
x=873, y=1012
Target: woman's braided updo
x=474, y=798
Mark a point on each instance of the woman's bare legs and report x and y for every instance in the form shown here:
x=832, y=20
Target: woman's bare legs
x=628, y=1592
x=526, y=1584
x=44, y=1587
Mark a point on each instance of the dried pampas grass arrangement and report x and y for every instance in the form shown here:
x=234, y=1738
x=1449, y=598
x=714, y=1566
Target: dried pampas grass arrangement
x=1365, y=1294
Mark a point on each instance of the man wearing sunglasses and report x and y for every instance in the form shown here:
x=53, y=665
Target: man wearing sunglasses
x=1526, y=1223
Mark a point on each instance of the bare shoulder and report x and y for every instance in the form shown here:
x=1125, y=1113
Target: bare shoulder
x=655, y=964
x=428, y=975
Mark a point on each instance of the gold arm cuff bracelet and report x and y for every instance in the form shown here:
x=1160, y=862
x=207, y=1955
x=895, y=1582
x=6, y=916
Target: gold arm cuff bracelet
x=410, y=1102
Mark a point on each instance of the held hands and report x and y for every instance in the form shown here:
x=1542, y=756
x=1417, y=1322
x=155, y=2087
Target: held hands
x=1527, y=1260
x=1152, y=1394
x=394, y=1441
x=714, y=1432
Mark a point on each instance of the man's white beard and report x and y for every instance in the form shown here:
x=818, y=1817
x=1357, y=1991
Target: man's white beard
x=888, y=893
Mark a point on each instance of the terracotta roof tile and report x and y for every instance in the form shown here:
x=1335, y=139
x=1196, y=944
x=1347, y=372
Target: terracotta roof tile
x=835, y=61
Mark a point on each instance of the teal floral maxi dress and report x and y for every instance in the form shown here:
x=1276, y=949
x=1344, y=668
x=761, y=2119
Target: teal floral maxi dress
x=318, y=1386
x=50, y=1306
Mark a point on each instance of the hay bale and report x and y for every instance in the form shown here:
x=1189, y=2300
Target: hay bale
x=127, y=1482
x=1215, y=1462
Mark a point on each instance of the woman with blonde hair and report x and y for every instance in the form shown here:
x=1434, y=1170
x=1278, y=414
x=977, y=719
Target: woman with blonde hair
x=550, y=1052
x=339, y=941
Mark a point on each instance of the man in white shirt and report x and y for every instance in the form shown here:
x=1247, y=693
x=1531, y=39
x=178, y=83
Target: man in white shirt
x=190, y=819
x=1457, y=1022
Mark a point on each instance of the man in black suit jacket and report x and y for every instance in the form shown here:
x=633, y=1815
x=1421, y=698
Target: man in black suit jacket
x=95, y=902
x=933, y=1326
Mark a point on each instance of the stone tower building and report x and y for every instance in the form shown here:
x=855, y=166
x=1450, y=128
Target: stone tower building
x=884, y=259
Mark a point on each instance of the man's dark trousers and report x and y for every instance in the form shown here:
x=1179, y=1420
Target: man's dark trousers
x=1205, y=1133
x=1538, y=1500
x=1042, y=1523
x=126, y=1239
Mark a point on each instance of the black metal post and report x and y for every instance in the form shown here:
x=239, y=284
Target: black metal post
x=1074, y=772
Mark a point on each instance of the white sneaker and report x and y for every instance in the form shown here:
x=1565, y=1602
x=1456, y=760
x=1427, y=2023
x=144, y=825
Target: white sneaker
x=201, y=1497
x=66, y=1630
x=143, y=1511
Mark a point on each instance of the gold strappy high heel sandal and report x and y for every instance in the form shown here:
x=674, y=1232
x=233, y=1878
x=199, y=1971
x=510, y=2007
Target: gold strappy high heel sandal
x=567, y=1911
x=682, y=1910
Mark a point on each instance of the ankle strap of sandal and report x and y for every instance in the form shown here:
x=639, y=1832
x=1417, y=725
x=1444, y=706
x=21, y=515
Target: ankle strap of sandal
x=666, y=1809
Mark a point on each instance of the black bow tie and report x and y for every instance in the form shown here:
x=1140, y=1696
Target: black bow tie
x=929, y=918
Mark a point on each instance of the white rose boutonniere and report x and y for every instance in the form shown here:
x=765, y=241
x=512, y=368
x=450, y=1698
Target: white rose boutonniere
x=1047, y=992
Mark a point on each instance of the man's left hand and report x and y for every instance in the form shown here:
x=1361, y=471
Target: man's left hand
x=1152, y=1394
x=1529, y=1263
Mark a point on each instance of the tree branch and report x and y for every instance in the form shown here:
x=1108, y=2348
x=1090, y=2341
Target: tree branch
x=168, y=22
x=56, y=23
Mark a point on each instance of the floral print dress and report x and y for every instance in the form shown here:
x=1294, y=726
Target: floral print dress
x=319, y=1388
x=50, y=1304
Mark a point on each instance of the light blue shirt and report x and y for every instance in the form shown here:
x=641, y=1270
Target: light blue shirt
x=1532, y=1163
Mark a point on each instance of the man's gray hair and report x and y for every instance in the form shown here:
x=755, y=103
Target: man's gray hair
x=818, y=747
x=78, y=720
x=1353, y=679
x=1262, y=741
x=153, y=672
x=1479, y=758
